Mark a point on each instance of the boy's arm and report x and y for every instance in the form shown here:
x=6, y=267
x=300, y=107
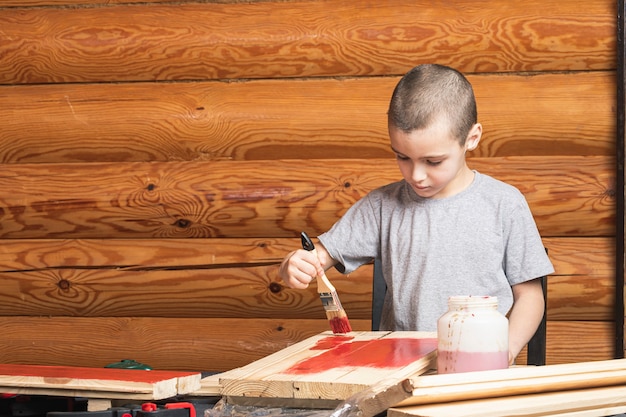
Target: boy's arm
x=300, y=267
x=525, y=316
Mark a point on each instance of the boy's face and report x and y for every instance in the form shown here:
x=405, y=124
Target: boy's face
x=432, y=161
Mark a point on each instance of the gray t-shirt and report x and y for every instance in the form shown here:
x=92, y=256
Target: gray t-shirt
x=478, y=242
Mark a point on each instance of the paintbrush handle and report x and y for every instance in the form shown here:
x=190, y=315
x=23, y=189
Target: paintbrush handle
x=323, y=284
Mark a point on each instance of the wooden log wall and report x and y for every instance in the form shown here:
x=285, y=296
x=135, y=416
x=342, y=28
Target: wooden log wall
x=160, y=158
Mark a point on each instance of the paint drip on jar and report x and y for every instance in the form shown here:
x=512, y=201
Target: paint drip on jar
x=472, y=336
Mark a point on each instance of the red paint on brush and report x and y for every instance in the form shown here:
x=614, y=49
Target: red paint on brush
x=379, y=353
x=340, y=325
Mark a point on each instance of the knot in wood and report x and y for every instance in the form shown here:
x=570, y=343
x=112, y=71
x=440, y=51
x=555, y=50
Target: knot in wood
x=610, y=193
x=150, y=187
x=63, y=284
x=275, y=287
x=182, y=223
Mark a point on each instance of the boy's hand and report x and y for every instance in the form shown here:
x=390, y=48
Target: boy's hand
x=299, y=268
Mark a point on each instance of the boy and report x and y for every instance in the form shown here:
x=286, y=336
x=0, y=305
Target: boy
x=444, y=229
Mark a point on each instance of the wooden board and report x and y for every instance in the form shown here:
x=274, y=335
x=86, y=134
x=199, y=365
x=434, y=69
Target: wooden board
x=548, y=115
x=592, y=402
x=279, y=39
x=568, y=196
x=110, y=383
x=428, y=389
x=226, y=276
x=331, y=367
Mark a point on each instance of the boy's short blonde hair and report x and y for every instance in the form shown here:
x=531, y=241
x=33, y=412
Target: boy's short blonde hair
x=430, y=91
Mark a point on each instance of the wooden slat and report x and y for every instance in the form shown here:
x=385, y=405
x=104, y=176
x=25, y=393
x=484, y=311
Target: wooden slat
x=322, y=38
x=569, y=196
x=44, y=3
x=589, y=256
x=109, y=383
x=334, y=370
x=539, y=114
x=577, y=341
x=163, y=343
x=217, y=344
x=173, y=277
x=589, y=402
x=227, y=292
x=428, y=389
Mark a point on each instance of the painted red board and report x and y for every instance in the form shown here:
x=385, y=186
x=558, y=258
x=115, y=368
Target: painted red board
x=74, y=372
x=378, y=353
x=333, y=367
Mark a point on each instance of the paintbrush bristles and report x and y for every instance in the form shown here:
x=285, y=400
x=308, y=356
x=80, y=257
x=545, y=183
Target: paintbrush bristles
x=338, y=321
x=336, y=315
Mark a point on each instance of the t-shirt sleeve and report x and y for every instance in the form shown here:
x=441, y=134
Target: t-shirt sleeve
x=354, y=239
x=525, y=256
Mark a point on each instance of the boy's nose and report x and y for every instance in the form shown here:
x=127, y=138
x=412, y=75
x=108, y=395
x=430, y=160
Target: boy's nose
x=418, y=174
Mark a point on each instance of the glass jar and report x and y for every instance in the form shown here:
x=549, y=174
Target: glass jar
x=472, y=336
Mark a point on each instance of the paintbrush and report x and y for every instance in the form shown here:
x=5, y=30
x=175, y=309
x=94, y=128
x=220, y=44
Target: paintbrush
x=335, y=313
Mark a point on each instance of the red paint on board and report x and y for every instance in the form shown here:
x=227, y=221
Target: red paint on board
x=58, y=374
x=331, y=342
x=379, y=353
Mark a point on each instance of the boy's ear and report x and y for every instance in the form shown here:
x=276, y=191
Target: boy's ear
x=473, y=137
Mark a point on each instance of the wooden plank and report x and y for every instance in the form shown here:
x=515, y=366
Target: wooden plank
x=235, y=278
x=569, y=341
x=538, y=114
x=333, y=367
x=571, y=256
x=429, y=389
x=580, y=403
x=583, y=285
x=110, y=383
x=573, y=341
x=218, y=344
x=569, y=196
x=214, y=41
x=226, y=292
x=193, y=344
x=46, y=3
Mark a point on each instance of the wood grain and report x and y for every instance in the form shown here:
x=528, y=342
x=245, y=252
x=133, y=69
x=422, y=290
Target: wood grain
x=148, y=198
x=56, y=3
x=323, y=38
x=569, y=196
x=522, y=115
x=237, y=278
x=243, y=293
x=217, y=344
x=355, y=368
x=586, y=402
x=429, y=389
x=573, y=341
x=109, y=383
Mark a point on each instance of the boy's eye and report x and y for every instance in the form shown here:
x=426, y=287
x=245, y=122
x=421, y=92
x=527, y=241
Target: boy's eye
x=433, y=163
x=402, y=157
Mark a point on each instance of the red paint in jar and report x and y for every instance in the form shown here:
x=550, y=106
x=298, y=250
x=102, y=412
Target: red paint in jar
x=472, y=336
x=461, y=361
